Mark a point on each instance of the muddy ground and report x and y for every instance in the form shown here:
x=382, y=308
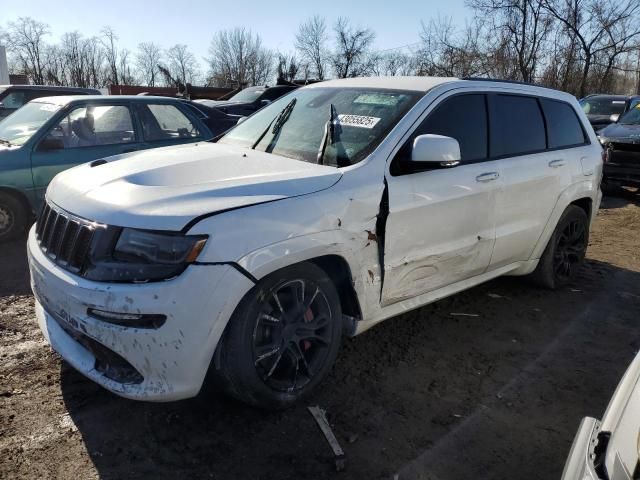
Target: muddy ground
x=424, y=395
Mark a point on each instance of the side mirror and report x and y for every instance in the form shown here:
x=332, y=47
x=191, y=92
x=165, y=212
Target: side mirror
x=614, y=117
x=438, y=150
x=49, y=144
x=264, y=103
x=240, y=120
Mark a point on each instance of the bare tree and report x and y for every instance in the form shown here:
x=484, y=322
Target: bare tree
x=182, y=64
x=448, y=52
x=311, y=43
x=288, y=67
x=127, y=76
x=396, y=62
x=523, y=25
x=25, y=40
x=597, y=26
x=109, y=43
x=148, y=57
x=351, y=57
x=237, y=58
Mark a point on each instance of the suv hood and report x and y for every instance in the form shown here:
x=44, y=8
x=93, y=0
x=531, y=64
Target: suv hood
x=621, y=133
x=168, y=187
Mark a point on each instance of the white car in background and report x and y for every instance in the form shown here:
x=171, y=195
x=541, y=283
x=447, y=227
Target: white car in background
x=335, y=207
x=610, y=449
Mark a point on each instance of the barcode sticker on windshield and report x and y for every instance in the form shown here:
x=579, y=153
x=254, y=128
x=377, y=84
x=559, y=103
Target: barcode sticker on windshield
x=360, y=121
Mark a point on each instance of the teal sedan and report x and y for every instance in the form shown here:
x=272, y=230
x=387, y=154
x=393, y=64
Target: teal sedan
x=51, y=134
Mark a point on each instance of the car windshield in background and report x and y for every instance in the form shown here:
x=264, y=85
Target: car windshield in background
x=632, y=117
x=362, y=118
x=20, y=126
x=602, y=106
x=247, y=95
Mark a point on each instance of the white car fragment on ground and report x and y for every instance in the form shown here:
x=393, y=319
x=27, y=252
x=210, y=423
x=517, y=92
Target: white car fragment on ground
x=337, y=206
x=610, y=448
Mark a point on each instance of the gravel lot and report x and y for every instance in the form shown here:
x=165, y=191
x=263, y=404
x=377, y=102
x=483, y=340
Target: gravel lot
x=424, y=395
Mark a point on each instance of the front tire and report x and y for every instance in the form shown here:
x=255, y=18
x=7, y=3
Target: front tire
x=13, y=218
x=566, y=250
x=283, y=338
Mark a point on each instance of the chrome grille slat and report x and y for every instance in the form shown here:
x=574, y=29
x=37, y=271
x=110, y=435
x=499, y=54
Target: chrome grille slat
x=65, y=238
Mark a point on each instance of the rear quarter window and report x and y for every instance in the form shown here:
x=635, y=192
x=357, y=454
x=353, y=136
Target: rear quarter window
x=563, y=126
x=517, y=126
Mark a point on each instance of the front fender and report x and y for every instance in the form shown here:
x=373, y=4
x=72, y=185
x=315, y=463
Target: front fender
x=359, y=251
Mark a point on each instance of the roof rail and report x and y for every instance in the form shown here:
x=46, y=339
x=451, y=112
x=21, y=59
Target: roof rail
x=498, y=80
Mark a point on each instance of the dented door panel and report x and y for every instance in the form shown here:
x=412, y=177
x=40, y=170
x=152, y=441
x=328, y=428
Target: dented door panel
x=440, y=229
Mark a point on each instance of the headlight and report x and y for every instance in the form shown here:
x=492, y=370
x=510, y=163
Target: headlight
x=145, y=255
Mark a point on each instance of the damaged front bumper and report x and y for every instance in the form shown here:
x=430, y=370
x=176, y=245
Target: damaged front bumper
x=159, y=363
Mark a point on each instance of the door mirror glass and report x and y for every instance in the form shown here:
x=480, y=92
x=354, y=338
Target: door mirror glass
x=436, y=149
x=51, y=143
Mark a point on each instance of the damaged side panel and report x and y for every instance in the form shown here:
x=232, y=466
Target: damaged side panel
x=440, y=230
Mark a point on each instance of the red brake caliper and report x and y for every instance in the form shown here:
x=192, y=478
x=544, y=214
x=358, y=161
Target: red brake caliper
x=308, y=317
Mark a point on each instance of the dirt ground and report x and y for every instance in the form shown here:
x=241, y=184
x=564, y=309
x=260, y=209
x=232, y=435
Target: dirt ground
x=424, y=395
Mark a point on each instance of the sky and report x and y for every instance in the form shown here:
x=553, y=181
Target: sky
x=194, y=22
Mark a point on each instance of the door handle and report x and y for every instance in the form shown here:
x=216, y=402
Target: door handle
x=557, y=163
x=487, y=177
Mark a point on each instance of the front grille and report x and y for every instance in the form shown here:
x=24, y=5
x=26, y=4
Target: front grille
x=64, y=238
x=626, y=147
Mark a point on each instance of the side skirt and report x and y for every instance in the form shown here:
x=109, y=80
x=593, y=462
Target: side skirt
x=435, y=295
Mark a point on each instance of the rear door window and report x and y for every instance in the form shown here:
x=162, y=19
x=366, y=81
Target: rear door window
x=517, y=126
x=14, y=99
x=563, y=126
x=166, y=122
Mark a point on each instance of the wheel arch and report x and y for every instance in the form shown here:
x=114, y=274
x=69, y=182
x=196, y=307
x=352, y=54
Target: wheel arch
x=586, y=204
x=574, y=195
x=18, y=195
x=339, y=271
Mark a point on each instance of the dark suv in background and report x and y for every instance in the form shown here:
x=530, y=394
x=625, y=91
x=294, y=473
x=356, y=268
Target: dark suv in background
x=249, y=100
x=12, y=97
x=603, y=110
x=621, y=143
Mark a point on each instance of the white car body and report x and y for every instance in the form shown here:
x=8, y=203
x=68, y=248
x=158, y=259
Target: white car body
x=447, y=230
x=610, y=449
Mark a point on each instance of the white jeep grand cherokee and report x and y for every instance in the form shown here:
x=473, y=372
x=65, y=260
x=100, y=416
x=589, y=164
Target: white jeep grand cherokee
x=335, y=207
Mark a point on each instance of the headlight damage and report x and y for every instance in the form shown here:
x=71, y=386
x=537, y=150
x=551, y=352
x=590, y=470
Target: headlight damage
x=134, y=255
x=114, y=254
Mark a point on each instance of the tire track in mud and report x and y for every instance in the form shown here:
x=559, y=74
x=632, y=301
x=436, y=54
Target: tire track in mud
x=482, y=446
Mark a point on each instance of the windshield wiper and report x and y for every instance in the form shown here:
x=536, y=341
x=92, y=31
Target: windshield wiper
x=329, y=137
x=277, y=122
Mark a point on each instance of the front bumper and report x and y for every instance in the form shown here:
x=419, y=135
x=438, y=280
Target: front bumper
x=173, y=359
x=621, y=174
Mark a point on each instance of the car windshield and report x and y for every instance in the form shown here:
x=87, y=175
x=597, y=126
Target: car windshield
x=602, y=106
x=632, y=117
x=20, y=126
x=247, y=95
x=294, y=125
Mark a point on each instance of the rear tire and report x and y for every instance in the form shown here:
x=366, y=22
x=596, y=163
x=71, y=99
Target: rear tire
x=13, y=218
x=283, y=338
x=565, y=252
